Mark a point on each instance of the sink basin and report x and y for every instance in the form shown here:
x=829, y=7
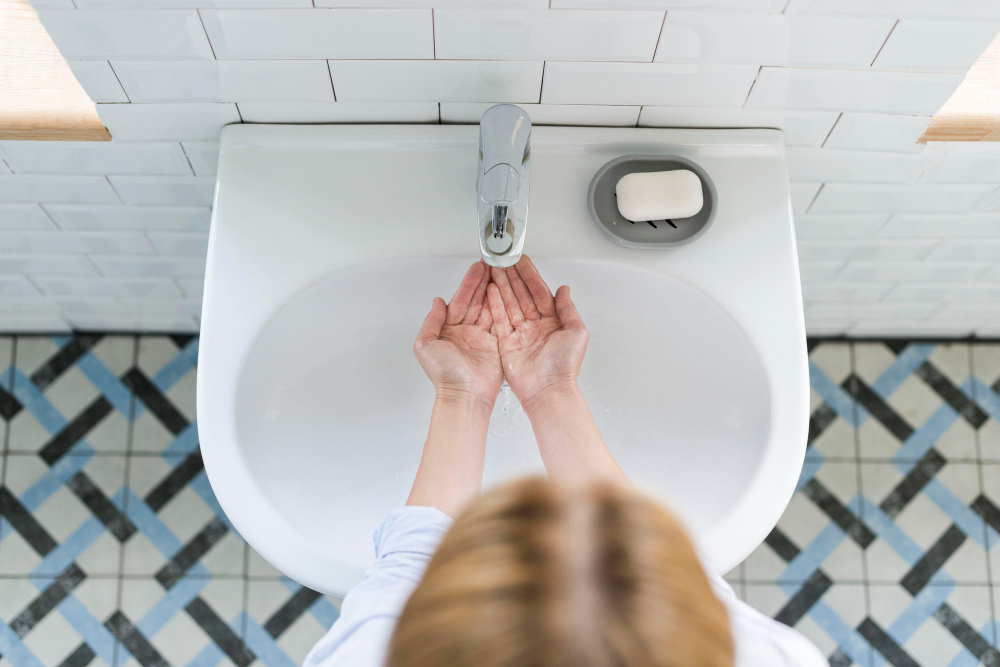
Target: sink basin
x=328, y=244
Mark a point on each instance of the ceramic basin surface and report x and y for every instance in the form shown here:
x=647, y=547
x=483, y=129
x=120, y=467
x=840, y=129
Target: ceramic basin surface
x=313, y=410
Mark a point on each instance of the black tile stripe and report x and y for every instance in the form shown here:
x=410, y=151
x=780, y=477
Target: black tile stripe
x=181, y=340
x=819, y=420
x=220, y=633
x=913, y=483
x=55, y=593
x=782, y=546
x=985, y=508
x=73, y=432
x=951, y=394
x=95, y=500
x=842, y=516
x=80, y=657
x=932, y=560
x=173, y=483
x=48, y=372
x=840, y=659
x=134, y=641
x=803, y=600
x=190, y=553
x=157, y=403
x=878, y=408
x=885, y=645
x=9, y=406
x=24, y=523
x=897, y=345
x=996, y=386
x=289, y=612
x=812, y=344
x=966, y=634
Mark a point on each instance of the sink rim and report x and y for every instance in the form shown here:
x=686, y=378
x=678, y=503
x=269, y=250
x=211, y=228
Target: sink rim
x=225, y=346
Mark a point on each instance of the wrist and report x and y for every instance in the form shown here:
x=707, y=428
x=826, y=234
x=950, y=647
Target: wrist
x=551, y=396
x=463, y=400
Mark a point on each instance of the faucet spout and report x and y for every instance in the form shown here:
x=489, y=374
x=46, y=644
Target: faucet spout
x=502, y=183
x=499, y=221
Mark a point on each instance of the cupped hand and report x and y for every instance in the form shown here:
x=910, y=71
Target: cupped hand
x=542, y=339
x=455, y=346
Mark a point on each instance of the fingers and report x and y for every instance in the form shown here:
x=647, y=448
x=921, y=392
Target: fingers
x=459, y=304
x=540, y=292
x=524, y=298
x=485, y=321
x=567, y=312
x=512, y=307
x=501, y=323
x=431, y=328
x=478, y=302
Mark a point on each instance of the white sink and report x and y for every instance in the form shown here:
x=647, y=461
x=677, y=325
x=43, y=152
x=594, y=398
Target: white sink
x=328, y=244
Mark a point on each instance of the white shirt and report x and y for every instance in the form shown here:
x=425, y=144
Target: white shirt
x=405, y=542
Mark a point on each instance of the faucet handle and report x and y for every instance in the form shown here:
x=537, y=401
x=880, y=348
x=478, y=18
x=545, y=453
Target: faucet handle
x=499, y=185
x=504, y=136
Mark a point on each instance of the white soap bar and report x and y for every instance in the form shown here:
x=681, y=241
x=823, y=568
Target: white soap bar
x=659, y=195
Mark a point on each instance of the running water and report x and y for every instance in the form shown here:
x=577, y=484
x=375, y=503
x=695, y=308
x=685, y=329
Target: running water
x=505, y=421
x=507, y=397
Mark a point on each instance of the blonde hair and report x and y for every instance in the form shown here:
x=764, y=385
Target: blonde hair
x=537, y=575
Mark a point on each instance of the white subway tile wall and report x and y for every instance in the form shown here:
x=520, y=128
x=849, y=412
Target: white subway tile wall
x=894, y=237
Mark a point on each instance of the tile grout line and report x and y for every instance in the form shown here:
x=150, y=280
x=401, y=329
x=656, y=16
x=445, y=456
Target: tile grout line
x=832, y=128
x=124, y=92
x=982, y=491
x=246, y=590
x=886, y=41
x=129, y=439
x=5, y=445
x=205, y=30
x=865, y=577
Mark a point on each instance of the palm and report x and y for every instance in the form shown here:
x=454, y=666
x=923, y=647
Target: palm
x=541, y=339
x=455, y=346
x=466, y=358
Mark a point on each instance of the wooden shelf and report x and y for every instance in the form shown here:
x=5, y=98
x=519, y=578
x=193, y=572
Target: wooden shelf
x=973, y=111
x=40, y=98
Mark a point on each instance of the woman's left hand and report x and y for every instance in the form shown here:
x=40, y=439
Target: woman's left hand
x=455, y=347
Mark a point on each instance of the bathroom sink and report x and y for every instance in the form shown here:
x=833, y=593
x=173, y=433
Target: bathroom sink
x=328, y=244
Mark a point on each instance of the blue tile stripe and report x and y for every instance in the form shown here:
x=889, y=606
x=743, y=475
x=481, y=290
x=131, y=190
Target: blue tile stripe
x=834, y=395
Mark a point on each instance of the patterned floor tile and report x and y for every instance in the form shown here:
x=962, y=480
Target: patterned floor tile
x=181, y=528
x=907, y=403
x=70, y=512
x=196, y=621
x=819, y=534
x=285, y=620
x=69, y=395
x=986, y=390
x=58, y=621
x=826, y=613
x=831, y=407
x=892, y=540
x=257, y=567
x=164, y=384
x=926, y=530
x=988, y=507
x=942, y=625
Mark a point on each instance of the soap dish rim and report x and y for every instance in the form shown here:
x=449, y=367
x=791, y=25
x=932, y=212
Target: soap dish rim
x=659, y=245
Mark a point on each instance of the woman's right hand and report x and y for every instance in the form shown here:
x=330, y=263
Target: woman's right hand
x=542, y=339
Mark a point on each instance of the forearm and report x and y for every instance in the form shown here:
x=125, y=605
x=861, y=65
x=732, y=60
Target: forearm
x=451, y=466
x=571, y=446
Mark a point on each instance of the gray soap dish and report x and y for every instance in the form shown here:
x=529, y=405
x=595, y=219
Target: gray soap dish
x=652, y=233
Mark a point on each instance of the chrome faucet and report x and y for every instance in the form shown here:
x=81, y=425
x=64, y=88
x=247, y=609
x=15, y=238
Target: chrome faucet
x=502, y=183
